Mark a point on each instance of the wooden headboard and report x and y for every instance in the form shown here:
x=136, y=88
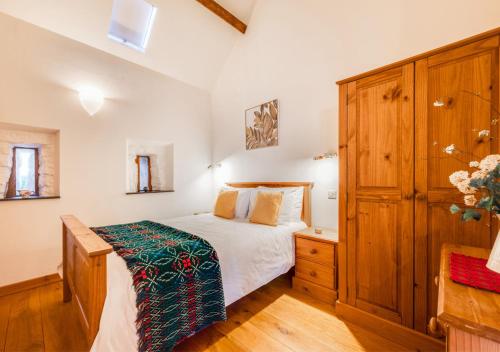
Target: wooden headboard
x=306, y=203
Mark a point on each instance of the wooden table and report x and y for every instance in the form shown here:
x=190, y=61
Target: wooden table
x=470, y=316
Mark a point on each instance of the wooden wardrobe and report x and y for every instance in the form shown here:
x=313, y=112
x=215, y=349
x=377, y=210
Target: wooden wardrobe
x=394, y=188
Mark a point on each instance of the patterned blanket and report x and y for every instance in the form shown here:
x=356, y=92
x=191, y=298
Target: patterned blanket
x=177, y=279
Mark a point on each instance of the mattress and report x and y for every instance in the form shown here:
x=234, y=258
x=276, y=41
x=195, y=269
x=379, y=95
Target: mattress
x=250, y=255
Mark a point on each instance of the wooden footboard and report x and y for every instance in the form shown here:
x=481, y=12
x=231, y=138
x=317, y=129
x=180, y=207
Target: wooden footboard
x=84, y=273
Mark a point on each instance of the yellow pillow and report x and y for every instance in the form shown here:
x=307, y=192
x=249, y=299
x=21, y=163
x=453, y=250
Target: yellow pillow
x=225, y=206
x=267, y=208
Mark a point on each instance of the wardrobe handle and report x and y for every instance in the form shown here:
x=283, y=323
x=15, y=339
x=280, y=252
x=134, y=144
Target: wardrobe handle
x=420, y=196
x=435, y=328
x=409, y=196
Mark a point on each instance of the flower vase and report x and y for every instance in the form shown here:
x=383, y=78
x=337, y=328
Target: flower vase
x=494, y=260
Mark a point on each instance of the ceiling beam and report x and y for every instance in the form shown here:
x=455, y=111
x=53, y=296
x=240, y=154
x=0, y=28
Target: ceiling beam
x=227, y=16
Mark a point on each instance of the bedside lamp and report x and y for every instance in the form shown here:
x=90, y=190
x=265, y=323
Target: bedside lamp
x=327, y=155
x=215, y=165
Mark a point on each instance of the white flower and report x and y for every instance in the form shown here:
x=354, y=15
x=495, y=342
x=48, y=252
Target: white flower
x=450, y=149
x=479, y=174
x=490, y=162
x=484, y=133
x=465, y=188
x=474, y=164
x=470, y=200
x=458, y=177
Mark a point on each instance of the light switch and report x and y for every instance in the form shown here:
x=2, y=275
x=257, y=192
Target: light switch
x=332, y=194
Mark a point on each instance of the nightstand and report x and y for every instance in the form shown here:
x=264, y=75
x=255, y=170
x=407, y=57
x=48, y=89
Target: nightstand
x=316, y=264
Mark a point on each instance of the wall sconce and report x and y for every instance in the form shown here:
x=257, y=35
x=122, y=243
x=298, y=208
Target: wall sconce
x=215, y=166
x=91, y=100
x=327, y=155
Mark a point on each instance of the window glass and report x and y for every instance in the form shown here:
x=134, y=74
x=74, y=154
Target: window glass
x=144, y=173
x=25, y=169
x=131, y=22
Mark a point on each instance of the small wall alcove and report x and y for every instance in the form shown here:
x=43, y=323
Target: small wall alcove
x=150, y=167
x=29, y=162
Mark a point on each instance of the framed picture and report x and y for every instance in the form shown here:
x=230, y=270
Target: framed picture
x=261, y=125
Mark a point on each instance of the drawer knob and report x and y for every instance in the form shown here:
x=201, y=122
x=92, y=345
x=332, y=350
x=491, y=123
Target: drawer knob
x=313, y=274
x=313, y=251
x=305, y=289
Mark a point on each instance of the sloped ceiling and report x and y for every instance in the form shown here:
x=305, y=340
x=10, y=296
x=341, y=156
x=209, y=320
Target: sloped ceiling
x=240, y=8
x=188, y=42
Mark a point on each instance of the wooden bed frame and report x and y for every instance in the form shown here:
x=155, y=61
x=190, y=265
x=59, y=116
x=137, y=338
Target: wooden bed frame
x=84, y=261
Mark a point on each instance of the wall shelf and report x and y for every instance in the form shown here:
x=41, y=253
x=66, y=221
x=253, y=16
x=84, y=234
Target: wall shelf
x=29, y=198
x=149, y=192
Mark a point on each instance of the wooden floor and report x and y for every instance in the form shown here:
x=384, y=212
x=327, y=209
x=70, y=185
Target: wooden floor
x=274, y=318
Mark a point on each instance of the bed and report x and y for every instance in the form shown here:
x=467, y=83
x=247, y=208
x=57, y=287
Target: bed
x=99, y=284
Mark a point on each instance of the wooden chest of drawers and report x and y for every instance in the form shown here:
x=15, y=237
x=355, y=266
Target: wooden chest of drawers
x=469, y=316
x=315, y=264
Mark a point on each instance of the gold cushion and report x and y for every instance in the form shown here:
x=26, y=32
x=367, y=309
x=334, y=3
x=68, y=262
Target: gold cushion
x=267, y=208
x=225, y=206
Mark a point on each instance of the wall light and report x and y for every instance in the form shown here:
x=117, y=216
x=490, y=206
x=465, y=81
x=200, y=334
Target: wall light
x=327, y=155
x=215, y=166
x=91, y=100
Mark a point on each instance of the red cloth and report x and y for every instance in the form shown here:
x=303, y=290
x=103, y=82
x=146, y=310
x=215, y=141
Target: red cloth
x=473, y=272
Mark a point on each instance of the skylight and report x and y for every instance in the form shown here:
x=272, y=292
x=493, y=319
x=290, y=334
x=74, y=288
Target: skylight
x=131, y=23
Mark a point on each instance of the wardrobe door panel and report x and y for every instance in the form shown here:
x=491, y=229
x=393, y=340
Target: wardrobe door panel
x=461, y=118
x=378, y=127
x=380, y=194
x=376, y=273
x=455, y=92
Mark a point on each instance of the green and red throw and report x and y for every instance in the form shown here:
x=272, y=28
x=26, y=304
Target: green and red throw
x=177, y=279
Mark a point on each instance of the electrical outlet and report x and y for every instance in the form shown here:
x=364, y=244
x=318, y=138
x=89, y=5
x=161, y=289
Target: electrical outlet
x=332, y=194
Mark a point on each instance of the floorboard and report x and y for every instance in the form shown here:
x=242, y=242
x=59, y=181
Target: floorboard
x=24, y=330
x=61, y=329
x=274, y=318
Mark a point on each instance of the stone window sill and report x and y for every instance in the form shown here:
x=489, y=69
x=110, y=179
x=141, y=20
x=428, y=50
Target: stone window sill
x=29, y=198
x=149, y=192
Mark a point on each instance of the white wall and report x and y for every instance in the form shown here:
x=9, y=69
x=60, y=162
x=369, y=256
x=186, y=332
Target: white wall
x=40, y=72
x=295, y=51
x=187, y=42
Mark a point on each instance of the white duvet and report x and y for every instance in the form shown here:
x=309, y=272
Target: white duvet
x=250, y=255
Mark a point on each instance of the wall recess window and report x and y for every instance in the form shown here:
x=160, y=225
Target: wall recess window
x=150, y=167
x=143, y=173
x=132, y=22
x=24, y=177
x=29, y=161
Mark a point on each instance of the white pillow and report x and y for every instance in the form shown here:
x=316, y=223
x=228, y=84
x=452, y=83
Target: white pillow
x=243, y=201
x=291, y=207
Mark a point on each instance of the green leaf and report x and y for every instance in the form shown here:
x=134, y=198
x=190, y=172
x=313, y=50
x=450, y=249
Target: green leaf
x=477, y=182
x=485, y=203
x=496, y=171
x=470, y=214
x=454, y=209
